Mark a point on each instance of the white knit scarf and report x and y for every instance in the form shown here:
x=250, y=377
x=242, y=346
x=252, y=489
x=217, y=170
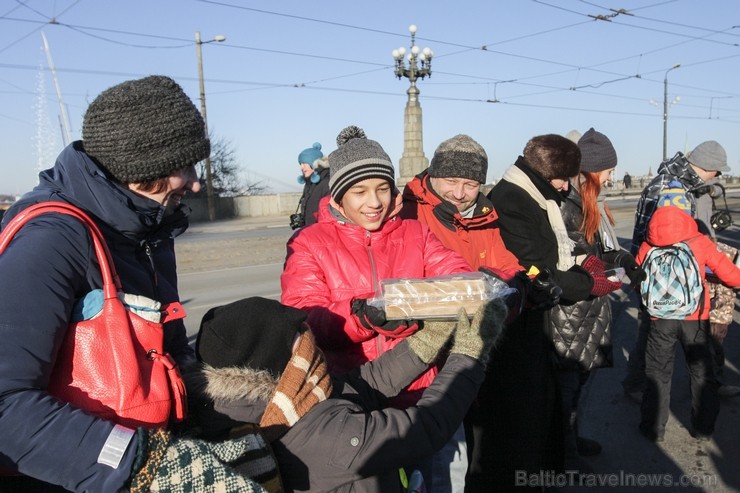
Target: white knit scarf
x=519, y=178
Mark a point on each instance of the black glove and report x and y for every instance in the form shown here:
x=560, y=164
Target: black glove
x=544, y=293
x=168, y=465
x=715, y=190
x=632, y=269
x=625, y=260
x=373, y=318
x=514, y=301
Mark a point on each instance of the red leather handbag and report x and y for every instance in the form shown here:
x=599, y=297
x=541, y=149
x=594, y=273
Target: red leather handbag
x=113, y=365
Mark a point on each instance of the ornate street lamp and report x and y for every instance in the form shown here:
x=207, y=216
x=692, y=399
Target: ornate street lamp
x=417, y=64
x=209, y=180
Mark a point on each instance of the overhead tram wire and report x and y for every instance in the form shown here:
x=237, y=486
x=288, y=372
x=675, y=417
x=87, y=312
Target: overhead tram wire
x=569, y=67
x=187, y=43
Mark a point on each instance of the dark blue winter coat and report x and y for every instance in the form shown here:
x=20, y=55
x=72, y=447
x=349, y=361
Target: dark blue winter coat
x=49, y=265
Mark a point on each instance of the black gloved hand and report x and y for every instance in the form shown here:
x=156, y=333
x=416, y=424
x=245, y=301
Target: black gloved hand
x=168, y=465
x=715, y=190
x=632, y=269
x=516, y=300
x=373, y=318
x=544, y=293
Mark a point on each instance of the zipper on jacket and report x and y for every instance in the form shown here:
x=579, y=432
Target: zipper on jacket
x=148, y=251
x=376, y=283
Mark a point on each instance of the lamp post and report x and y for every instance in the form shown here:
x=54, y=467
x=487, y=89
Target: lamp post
x=416, y=65
x=209, y=179
x=665, y=111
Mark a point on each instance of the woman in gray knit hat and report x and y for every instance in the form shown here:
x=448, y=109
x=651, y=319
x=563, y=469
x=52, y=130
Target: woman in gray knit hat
x=135, y=163
x=581, y=331
x=334, y=266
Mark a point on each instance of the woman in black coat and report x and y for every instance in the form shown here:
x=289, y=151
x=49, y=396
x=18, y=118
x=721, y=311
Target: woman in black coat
x=520, y=418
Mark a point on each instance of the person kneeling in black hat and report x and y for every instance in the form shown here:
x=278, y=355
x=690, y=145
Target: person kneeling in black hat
x=261, y=366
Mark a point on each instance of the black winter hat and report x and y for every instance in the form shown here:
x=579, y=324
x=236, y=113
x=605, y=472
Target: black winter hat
x=459, y=157
x=597, y=152
x=253, y=332
x=142, y=130
x=357, y=158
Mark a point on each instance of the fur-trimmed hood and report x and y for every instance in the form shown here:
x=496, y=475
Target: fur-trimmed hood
x=239, y=393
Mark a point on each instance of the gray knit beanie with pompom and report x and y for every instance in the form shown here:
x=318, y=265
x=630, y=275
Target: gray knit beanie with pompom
x=142, y=130
x=357, y=158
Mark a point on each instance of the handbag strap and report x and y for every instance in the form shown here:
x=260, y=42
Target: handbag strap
x=111, y=282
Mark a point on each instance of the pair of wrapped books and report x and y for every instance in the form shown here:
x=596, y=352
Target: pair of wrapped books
x=437, y=297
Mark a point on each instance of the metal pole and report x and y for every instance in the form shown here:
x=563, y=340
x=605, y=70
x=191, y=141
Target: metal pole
x=209, y=179
x=66, y=127
x=665, y=111
x=665, y=116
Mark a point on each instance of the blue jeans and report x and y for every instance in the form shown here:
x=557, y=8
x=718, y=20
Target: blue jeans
x=449, y=465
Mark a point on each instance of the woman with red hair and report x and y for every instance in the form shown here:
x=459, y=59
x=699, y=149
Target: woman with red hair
x=581, y=331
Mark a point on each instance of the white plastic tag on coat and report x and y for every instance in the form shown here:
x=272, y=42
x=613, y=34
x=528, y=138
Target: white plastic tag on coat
x=115, y=446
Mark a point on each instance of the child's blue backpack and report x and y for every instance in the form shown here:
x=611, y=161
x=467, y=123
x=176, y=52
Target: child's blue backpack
x=673, y=287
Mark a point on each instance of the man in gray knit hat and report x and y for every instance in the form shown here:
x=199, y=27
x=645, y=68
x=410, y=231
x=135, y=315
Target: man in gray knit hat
x=447, y=198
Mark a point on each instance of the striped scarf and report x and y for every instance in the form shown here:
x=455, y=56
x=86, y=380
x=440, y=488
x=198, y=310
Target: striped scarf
x=304, y=383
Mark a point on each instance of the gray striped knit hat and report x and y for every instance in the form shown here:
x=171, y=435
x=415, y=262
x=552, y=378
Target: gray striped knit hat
x=142, y=130
x=357, y=158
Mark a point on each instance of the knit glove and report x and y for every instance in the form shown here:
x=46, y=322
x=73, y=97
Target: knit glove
x=596, y=268
x=429, y=341
x=170, y=465
x=543, y=293
x=515, y=301
x=632, y=269
x=373, y=318
x=476, y=339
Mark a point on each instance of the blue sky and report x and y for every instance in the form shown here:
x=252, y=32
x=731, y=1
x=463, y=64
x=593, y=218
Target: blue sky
x=292, y=73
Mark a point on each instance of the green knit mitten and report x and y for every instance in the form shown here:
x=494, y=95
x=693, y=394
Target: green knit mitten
x=429, y=341
x=476, y=339
x=172, y=465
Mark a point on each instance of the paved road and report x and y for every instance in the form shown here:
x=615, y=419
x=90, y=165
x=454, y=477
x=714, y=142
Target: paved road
x=628, y=463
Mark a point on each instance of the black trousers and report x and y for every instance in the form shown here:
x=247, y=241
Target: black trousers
x=693, y=335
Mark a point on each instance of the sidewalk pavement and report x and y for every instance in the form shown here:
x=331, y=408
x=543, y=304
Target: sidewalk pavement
x=628, y=460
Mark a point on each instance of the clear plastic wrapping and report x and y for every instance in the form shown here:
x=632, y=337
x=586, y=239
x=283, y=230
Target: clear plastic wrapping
x=437, y=297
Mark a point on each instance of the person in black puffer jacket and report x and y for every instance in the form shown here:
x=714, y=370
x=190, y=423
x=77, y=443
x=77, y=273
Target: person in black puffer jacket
x=581, y=330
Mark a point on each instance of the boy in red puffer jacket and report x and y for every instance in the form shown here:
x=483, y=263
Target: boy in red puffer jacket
x=668, y=226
